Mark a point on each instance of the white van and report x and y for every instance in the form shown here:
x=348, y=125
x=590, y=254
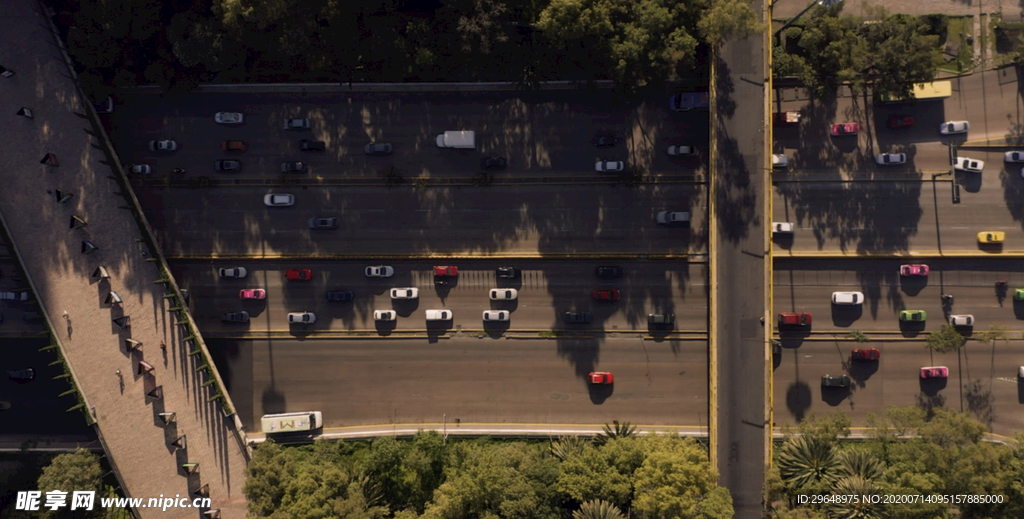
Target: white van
x=461, y=139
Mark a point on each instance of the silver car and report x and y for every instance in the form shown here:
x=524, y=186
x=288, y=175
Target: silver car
x=227, y=165
x=610, y=166
x=293, y=167
x=279, y=200
x=961, y=320
x=237, y=272
x=165, y=145
x=296, y=124
x=889, y=159
x=140, y=169
x=1014, y=156
x=378, y=148
x=379, y=271
x=954, y=127
x=301, y=318
x=228, y=118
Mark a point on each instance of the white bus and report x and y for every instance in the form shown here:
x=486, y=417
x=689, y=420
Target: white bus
x=291, y=422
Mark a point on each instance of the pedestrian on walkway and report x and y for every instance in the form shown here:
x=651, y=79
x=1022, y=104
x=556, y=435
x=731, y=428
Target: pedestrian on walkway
x=118, y=373
x=163, y=347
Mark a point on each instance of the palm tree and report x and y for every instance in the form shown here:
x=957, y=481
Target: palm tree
x=855, y=486
x=860, y=462
x=621, y=430
x=806, y=460
x=598, y=509
x=567, y=446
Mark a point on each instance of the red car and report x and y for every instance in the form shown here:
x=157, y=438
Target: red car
x=233, y=146
x=252, y=293
x=446, y=271
x=298, y=274
x=935, y=372
x=794, y=319
x=914, y=270
x=845, y=129
x=897, y=122
x=605, y=294
x=600, y=377
x=866, y=354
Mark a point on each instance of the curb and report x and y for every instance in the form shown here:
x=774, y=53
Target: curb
x=885, y=255
x=471, y=333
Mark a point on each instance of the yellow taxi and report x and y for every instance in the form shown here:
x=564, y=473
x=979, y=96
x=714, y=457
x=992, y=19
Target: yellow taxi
x=991, y=237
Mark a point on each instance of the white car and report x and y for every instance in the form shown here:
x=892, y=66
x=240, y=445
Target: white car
x=495, y=316
x=782, y=227
x=279, y=200
x=954, y=127
x=228, y=118
x=847, y=298
x=439, y=315
x=140, y=169
x=961, y=320
x=165, y=145
x=610, y=166
x=405, y=293
x=301, y=318
x=379, y=271
x=384, y=315
x=780, y=161
x=1014, y=156
x=504, y=294
x=969, y=165
x=677, y=151
x=296, y=124
x=669, y=217
x=237, y=272
x=888, y=159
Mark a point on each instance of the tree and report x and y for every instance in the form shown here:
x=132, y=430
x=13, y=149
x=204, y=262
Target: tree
x=900, y=53
x=491, y=480
x=620, y=430
x=195, y=41
x=591, y=475
x=598, y=509
x=675, y=480
x=807, y=463
x=483, y=26
x=825, y=426
x=79, y=470
x=860, y=508
x=860, y=463
x=945, y=339
x=727, y=18
x=567, y=446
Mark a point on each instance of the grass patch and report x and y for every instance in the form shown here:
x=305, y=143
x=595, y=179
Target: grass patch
x=960, y=28
x=550, y=333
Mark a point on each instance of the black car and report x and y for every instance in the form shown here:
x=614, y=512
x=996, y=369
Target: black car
x=661, y=319
x=22, y=375
x=293, y=167
x=507, y=272
x=235, y=317
x=308, y=145
x=340, y=295
x=578, y=317
x=493, y=163
x=605, y=141
x=608, y=272
x=323, y=223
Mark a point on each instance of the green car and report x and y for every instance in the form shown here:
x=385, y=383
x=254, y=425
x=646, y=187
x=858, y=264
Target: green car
x=913, y=315
x=1018, y=295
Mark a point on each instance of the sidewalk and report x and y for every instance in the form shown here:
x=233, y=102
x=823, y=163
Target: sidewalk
x=125, y=405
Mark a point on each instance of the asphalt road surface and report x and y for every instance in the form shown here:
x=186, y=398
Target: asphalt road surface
x=982, y=380
x=807, y=286
x=544, y=132
x=896, y=216
x=546, y=219
x=741, y=194
x=485, y=380
x=546, y=290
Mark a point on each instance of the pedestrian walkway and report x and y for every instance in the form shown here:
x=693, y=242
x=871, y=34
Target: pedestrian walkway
x=66, y=218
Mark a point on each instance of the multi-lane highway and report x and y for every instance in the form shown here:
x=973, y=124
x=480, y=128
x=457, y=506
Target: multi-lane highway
x=378, y=220
x=982, y=380
x=807, y=286
x=546, y=290
x=472, y=380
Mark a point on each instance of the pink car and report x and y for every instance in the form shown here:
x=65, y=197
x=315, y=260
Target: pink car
x=845, y=129
x=935, y=372
x=252, y=293
x=914, y=270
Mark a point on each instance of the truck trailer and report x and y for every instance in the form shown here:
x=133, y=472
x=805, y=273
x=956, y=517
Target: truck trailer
x=460, y=139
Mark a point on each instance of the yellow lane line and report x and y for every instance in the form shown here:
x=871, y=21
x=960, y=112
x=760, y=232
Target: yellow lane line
x=693, y=258
x=917, y=254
